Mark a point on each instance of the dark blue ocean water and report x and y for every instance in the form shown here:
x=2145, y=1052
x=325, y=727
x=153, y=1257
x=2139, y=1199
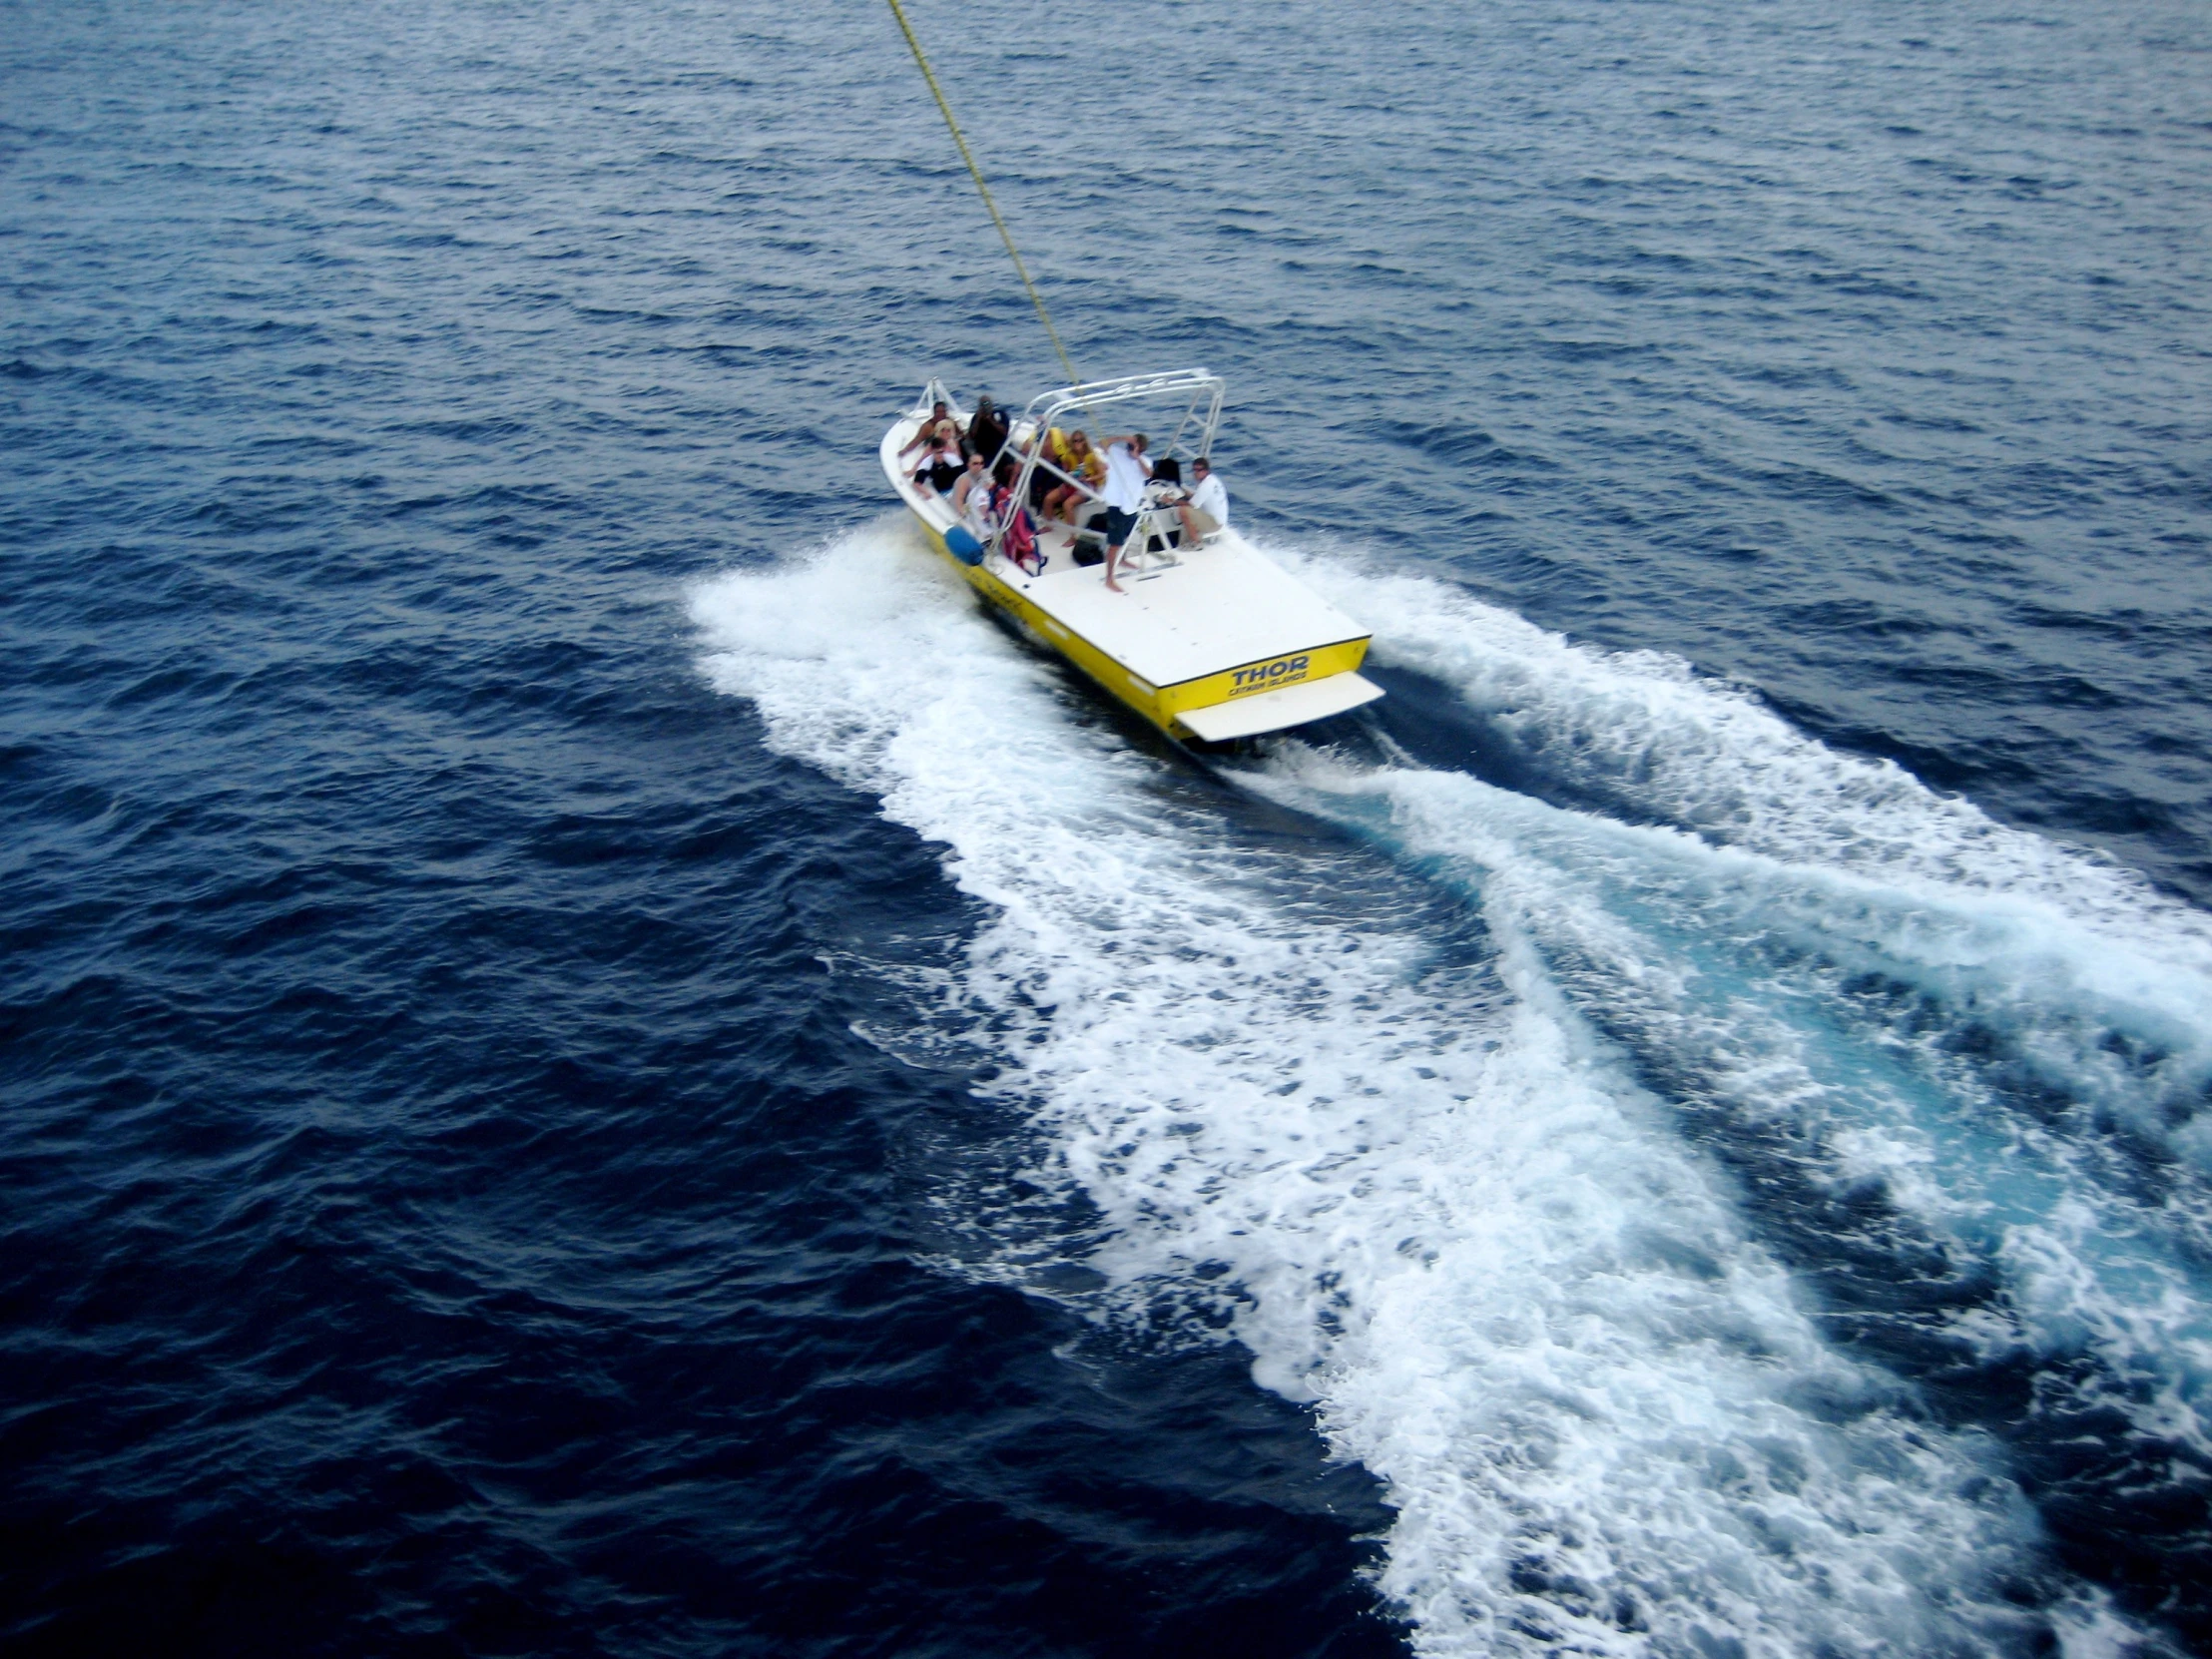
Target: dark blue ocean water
x=595, y=1063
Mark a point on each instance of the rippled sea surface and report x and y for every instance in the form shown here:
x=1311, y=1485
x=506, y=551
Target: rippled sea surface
x=595, y=1062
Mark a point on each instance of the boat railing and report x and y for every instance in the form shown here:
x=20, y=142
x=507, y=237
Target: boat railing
x=1193, y=433
x=932, y=394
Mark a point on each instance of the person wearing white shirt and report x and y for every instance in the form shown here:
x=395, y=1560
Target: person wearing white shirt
x=1127, y=473
x=965, y=486
x=1206, y=509
x=971, y=499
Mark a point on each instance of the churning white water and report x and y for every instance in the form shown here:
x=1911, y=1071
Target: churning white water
x=1822, y=940
x=1440, y=1195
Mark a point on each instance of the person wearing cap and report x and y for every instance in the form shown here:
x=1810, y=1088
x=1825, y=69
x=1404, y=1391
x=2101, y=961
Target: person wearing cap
x=1206, y=508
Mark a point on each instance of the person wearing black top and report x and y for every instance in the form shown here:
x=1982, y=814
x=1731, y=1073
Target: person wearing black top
x=986, y=432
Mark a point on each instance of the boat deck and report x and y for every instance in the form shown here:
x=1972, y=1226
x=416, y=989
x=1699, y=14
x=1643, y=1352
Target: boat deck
x=1217, y=607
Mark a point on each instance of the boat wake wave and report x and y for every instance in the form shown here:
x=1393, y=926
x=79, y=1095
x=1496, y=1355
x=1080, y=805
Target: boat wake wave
x=1469, y=1123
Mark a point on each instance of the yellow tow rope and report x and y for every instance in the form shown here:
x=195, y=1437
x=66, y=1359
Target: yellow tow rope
x=976, y=173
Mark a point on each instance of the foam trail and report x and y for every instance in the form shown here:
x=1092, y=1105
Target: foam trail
x=1696, y=962
x=1646, y=728
x=1743, y=947
x=1425, y=1196
x=1982, y=909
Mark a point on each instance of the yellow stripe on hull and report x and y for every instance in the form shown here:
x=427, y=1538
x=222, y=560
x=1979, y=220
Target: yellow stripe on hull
x=1158, y=703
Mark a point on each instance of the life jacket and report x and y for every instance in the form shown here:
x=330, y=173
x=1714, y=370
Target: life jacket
x=1020, y=540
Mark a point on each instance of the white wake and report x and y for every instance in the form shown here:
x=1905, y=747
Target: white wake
x=1433, y=1198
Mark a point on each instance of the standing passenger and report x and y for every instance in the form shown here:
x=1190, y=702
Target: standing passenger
x=1127, y=473
x=986, y=431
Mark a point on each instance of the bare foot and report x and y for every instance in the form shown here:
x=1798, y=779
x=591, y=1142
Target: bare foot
x=1113, y=586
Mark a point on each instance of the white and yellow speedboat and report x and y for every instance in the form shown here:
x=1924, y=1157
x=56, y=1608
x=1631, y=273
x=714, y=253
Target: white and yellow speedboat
x=1214, y=641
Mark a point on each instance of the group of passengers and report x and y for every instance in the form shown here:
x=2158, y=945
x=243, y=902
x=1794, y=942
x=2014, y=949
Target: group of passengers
x=977, y=468
x=944, y=446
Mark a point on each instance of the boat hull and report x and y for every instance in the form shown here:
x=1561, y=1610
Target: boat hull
x=1163, y=706
x=1211, y=627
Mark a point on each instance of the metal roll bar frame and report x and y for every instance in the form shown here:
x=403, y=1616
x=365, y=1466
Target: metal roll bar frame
x=1193, y=435
x=1201, y=390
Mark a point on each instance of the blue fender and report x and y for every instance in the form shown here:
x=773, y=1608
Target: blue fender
x=962, y=546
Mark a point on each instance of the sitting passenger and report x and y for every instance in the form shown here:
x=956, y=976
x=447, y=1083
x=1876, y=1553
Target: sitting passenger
x=941, y=456
x=1206, y=509
x=1080, y=463
x=938, y=416
x=932, y=441
x=972, y=481
x=1020, y=541
x=981, y=522
x=939, y=465
x=1053, y=447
